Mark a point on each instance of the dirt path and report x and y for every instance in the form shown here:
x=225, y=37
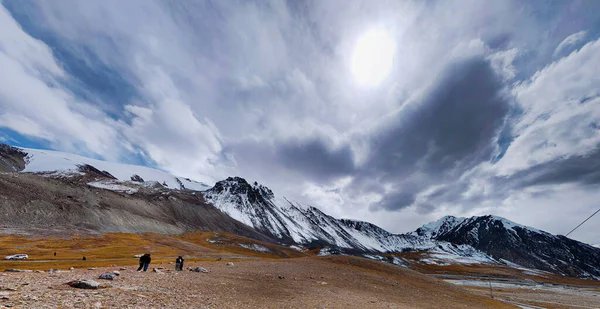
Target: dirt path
x=332, y=282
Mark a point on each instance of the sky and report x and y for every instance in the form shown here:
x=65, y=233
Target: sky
x=394, y=112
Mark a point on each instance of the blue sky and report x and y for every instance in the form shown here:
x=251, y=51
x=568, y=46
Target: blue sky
x=396, y=112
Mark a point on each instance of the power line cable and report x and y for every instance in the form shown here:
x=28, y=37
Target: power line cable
x=584, y=221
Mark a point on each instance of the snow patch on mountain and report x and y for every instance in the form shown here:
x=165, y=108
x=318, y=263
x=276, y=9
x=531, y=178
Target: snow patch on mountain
x=112, y=186
x=67, y=164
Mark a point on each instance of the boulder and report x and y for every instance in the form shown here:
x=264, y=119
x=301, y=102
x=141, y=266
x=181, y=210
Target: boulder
x=137, y=178
x=13, y=270
x=229, y=264
x=200, y=270
x=83, y=284
x=116, y=272
x=108, y=276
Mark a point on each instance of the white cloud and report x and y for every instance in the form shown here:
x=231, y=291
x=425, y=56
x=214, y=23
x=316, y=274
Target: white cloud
x=560, y=105
x=570, y=41
x=33, y=104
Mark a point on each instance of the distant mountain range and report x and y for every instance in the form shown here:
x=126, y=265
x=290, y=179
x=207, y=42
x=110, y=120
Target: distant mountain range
x=253, y=210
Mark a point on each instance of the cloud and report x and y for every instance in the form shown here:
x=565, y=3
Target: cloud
x=316, y=158
x=570, y=41
x=450, y=130
x=31, y=102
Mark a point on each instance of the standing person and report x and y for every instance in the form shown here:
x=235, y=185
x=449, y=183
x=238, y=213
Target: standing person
x=142, y=259
x=179, y=263
x=147, y=261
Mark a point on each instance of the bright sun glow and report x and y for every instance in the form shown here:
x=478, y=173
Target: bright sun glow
x=373, y=57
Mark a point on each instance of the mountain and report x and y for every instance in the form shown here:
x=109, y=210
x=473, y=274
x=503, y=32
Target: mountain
x=65, y=192
x=486, y=239
x=15, y=159
x=57, y=193
x=295, y=223
x=505, y=240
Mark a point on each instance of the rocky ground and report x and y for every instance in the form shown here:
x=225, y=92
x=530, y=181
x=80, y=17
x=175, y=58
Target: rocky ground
x=329, y=282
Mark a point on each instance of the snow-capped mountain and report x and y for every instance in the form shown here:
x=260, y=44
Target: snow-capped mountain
x=506, y=240
x=291, y=222
x=15, y=159
x=486, y=239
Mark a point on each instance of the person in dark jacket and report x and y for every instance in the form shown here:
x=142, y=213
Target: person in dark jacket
x=144, y=262
x=179, y=263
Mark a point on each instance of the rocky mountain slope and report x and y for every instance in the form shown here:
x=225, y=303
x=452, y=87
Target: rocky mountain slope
x=14, y=159
x=529, y=247
x=486, y=239
x=294, y=223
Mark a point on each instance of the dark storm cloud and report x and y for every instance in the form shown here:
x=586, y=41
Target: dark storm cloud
x=454, y=128
x=577, y=169
x=316, y=158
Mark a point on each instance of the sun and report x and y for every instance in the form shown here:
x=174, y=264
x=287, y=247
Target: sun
x=373, y=57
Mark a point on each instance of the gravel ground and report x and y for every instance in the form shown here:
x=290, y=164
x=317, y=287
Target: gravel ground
x=330, y=282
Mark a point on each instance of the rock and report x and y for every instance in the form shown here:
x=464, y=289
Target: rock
x=72, y=268
x=323, y=283
x=281, y=277
x=137, y=178
x=200, y=270
x=92, y=268
x=108, y=276
x=156, y=270
x=138, y=255
x=83, y=284
x=13, y=270
x=116, y=272
x=229, y=264
x=123, y=268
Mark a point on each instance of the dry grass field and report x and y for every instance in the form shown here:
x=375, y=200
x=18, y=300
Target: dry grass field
x=265, y=275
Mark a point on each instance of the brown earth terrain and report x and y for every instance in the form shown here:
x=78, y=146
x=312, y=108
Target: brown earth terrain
x=274, y=277
x=329, y=282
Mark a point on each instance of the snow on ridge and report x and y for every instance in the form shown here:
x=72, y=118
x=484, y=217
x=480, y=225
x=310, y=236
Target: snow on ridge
x=112, y=186
x=510, y=224
x=39, y=161
x=255, y=247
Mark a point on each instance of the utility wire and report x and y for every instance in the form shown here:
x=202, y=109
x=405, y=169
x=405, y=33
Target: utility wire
x=584, y=221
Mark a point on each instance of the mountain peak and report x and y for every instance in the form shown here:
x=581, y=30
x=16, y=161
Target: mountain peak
x=439, y=227
x=239, y=186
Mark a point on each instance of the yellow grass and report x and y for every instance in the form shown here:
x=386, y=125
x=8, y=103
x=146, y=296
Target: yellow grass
x=120, y=248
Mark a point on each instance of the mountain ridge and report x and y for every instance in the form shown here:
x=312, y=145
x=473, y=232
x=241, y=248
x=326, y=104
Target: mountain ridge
x=252, y=209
